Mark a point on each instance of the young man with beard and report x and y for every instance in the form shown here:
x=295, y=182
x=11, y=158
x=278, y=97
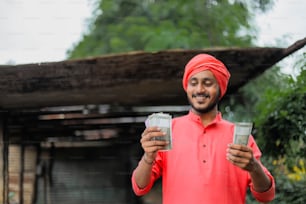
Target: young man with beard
x=203, y=166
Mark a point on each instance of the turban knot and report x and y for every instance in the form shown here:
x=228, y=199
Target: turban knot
x=203, y=62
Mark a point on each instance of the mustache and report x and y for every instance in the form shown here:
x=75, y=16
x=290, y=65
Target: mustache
x=200, y=95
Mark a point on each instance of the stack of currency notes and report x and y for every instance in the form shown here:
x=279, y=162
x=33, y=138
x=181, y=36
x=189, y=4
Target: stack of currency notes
x=163, y=121
x=242, y=132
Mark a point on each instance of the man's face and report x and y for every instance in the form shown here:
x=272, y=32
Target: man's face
x=203, y=92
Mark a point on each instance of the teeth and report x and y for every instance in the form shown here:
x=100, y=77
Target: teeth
x=201, y=96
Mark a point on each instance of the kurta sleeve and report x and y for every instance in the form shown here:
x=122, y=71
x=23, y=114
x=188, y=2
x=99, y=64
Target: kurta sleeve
x=156, y=173
x=141, y=191
x=268, y=195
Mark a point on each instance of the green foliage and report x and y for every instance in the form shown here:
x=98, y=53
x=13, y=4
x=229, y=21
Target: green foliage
x=279, y=114
x=276, y=103
x=152, y=25
x=241, y=105
x=287, y=190
x=282, y=119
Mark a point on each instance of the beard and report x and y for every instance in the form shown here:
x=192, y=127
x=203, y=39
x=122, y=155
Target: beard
x=208, y=108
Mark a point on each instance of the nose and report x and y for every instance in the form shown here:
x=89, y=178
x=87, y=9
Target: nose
x=200, y=88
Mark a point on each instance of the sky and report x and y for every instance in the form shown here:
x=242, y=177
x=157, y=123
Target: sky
x=40, y=30
x=34, y=31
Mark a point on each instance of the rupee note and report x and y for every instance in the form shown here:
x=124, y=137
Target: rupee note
x=242, y=132
x=163, y=121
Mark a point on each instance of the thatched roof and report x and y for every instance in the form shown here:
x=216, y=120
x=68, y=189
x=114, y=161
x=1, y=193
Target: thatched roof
x=121, y=80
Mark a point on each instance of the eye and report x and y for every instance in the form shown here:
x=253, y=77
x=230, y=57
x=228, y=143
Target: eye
x=208, y=83
x=193, y=82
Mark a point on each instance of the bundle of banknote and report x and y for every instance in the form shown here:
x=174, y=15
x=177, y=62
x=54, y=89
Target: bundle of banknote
x=163, y=121
x=242, y=132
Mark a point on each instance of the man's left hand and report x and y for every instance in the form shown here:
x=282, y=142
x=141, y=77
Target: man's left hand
x=241, y=156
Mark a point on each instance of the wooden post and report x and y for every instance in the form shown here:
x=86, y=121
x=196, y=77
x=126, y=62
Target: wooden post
x=4, y=145
x=21, y=173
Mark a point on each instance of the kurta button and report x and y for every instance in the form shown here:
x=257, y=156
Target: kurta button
x=204, y=161
x=204, y=145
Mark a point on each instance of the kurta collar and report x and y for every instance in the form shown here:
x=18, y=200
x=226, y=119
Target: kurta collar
x=197, y=118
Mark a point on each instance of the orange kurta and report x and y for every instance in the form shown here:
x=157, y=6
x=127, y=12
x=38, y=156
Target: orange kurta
x=196, y=169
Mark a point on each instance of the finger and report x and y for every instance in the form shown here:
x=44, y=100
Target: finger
x=239, y=162
x=237, y=159
x=149, y=135
x=241, y=154
x=239, y=147
x=153, y=149
x=151, y=129
x=240, y=151
x=153, y=146
x=153, y=143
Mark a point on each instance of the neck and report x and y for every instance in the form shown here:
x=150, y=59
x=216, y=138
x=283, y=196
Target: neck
x=208, y=117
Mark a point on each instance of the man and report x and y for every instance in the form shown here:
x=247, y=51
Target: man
x=203, y=167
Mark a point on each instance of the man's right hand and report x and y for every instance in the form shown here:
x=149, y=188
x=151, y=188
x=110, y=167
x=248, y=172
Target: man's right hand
x=149, y=144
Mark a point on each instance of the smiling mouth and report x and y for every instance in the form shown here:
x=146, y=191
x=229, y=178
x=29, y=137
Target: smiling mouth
x=200, y=96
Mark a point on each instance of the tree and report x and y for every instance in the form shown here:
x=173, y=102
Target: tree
x=240, y=105
x=282, y=119
x=152, y=25
x=280, y=129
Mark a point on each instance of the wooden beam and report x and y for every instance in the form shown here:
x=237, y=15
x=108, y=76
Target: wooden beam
x=138, y=78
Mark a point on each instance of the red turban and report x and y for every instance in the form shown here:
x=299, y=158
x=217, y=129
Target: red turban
x=203, y=62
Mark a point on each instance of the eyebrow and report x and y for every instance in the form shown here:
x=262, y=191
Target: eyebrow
x=202, y=79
